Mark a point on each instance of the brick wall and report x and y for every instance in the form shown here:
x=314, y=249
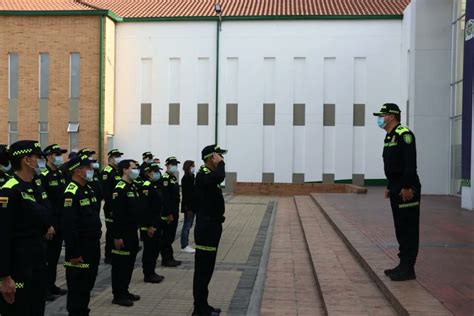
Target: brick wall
x=288, y=189
x=59, y=36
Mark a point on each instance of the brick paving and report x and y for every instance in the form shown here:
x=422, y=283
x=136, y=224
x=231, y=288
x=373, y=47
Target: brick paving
x=445, y=263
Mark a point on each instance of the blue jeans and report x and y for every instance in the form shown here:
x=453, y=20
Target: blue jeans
x=188, y=223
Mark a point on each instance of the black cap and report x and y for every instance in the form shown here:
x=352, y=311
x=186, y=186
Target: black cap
x=54, y=149
x=211, y=149
x=79, y=161
x=147, y=154
x=114, y=153
x=86, y=151
x=24, y=148
x=4, y=158
x=152, y=167
x=172, y=160
x=388, y=108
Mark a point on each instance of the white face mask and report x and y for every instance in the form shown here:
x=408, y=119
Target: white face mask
x=193, y=170
x=89, y=175
x=173, y=169
x=6, y=168
x=117, y=160
x=41, y=166
x=95, y=165
x=134, y=174
x=58, y=161
x=155, y=176
x=149, y=161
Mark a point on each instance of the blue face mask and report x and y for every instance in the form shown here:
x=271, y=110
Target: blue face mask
x=193, y=170
x=58, y=161
x=41, y=166
x=135, y=173
x=89, y=175
x=174, y=169
x=155, y=176
x=381, y=122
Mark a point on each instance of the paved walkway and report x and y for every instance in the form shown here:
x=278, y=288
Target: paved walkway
x=239, y=254
x=445, y=266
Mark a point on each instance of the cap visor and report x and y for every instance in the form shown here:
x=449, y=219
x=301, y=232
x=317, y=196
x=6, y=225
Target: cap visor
x=377, y=114
x=222, y=151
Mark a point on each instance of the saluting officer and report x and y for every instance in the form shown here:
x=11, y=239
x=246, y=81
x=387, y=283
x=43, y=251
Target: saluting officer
x=126, y=204
x=170, y=213
x=404, y=189
x=209, y=218
x=109, y=179
x=54, y=183
x=82, y=231
x=23, y=265
x=150, y=227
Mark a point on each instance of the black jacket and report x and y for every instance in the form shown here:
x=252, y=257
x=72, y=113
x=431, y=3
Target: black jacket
x=109, y=179
x=54, y=184
x=210, y=200
x=171, y=195
x=127, y=205
x=152, y=205
x=80, y=219
x=399, y=157
x=188, y=189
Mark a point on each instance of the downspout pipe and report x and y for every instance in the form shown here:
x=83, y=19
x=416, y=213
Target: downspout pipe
x=101, y=87
x=218, y=30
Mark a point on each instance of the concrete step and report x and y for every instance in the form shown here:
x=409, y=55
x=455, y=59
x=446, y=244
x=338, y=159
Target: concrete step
x=345, y=287
x=408, y=298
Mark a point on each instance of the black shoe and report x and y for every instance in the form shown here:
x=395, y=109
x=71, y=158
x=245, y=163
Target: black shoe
x=51, y=297
x=389, y=272
x=108, y=260
x=403, y=275
x=133, y=297
x=58, y=291
x=215, y=309
x=206, y=313
x=169, y=263
x=153, y=278
x=122, y=301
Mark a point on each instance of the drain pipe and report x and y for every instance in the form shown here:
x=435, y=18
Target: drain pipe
x=218, y=10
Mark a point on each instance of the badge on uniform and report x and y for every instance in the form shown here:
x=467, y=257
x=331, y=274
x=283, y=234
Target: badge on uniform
x=67, y=202
x=4, y=202
x=145, y=192
x=165, y=183
x=114, y=195
x=408, y=139
x=44, y=196
x=104, y=177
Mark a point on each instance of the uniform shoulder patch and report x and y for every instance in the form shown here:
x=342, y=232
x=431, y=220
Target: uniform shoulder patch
x=10, y=183
x=71, y=188
x=166, y=175
x=407, y=138
x=108, y=169
x=121, y=185
x=45, y=172
x=401, y=129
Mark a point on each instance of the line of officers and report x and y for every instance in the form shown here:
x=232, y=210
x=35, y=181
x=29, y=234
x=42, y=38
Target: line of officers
x=45, y=201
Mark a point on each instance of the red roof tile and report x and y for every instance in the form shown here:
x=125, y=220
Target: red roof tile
x=205, y=8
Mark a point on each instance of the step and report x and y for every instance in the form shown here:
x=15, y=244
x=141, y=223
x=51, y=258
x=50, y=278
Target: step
x=337, y=289
x=408, y=298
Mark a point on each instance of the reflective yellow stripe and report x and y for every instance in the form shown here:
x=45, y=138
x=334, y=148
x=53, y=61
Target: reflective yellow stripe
x=120, y=252
x=164, y=218
x=206, y=248
x=85, y=202
x=10, y=183
x=26, y=196
x=109, y=220
x=407, y=205
x=401, y=129
x=391, y=144
x=18, y=285
x=146, y=229
x=80, y=265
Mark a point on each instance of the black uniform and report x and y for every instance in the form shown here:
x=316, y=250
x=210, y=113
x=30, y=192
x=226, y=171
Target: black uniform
x=151, y=217
x=54, y=184
x=126, y=205
x=4, y=177
x=171, y=200
x=22, y=229
x=82, y=231
x=399, y=156
x=109, y=178
x=207, y=233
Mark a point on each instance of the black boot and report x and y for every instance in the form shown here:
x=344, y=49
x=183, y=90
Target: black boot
x=122, y=301
x=153, y=278
x=389, y=272
x=404, y=274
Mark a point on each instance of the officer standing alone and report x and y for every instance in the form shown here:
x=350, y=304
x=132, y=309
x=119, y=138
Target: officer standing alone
x=404, y=189
x=209, y=218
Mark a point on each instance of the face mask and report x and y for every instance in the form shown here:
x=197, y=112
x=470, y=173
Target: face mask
x=89, y=175
x=193, y=170
x=174, y=169
x=41, y=166
x=149, y=161
x=117, y=160
x=58, y=161
x=381, y=122
x=155, y=176
x=95, y=165
x=6, y=168
x=135, y=173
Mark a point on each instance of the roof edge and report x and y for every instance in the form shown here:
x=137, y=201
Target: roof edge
x=107, y=13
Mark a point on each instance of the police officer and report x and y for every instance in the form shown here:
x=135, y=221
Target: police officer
x=53, y=182
x=82, y=231
x=170, y=213
x=23, y=264
x=109, y=179
x=404, y=189
x=147, y=159
x=5, y=165
x=209, y=218
x=150, y=228
x=95, y=183
x=126, y=203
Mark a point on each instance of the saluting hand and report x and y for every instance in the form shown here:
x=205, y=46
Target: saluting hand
x=8, y=289
x=216, y=158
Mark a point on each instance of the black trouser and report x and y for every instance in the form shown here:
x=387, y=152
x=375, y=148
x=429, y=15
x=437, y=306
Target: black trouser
x=81, y=278
x=123, y=262
x=29, y=274
x=109, y=238
x=151, y=251
x=169, y=234
x=406, y=217
x=207, y=236
x=54, y=247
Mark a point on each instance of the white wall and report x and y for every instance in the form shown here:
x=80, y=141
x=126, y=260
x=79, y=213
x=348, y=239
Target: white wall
x=283, y=149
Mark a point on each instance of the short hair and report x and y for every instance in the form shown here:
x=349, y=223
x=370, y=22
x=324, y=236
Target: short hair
x=16, y=162
x=124, y=164
x=397, y=117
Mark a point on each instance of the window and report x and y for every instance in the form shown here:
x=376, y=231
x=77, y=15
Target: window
x=203, y=114
x=44, y=75
x=74, y=73
x=174, y=114
x=145, y=114
x=232, y=114
x=12, y=76
x=359, y=115
x=269, y=114
x=299, y=118
x=329, y=115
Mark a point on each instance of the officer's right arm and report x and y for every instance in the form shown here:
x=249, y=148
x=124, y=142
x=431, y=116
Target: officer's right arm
x=9, y=200
x=119, y=204
x=69, y=218
x=215, y=177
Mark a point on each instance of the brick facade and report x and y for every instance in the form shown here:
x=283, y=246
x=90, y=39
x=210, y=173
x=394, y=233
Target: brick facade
x=289, y=189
